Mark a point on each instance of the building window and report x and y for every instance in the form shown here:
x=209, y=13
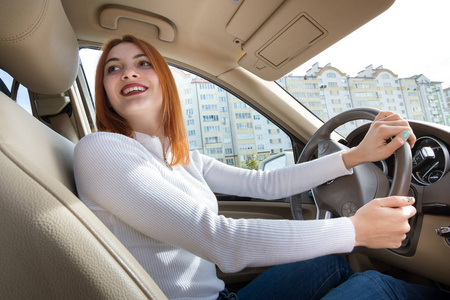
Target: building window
x=210, y=118
x=209, y=107
x=240, y=105
x=214, y=150
x=243, y=116
x=244, y=125
x=275, y=141
x=212, y=139
x=246, y=146
x=311, y=85
x=206, y=86
x=206, y=97
x=215, y=128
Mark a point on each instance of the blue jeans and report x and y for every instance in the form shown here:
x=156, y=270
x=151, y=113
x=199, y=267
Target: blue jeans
x=330, y=277
x=374, y=285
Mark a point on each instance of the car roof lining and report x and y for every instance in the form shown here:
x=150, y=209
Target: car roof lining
x=269, y=42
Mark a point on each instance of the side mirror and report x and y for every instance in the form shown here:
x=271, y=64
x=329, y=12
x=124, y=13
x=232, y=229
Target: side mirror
x=277, y=161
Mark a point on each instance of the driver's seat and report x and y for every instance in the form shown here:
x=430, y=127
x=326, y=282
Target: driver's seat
x=52, y=245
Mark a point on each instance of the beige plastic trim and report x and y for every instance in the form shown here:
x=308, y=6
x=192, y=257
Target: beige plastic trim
x=110, y=15
x=431, y=254
x=81, y=118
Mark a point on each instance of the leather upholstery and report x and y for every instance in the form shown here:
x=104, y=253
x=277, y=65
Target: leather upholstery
x=38, y=46
x=51, y=245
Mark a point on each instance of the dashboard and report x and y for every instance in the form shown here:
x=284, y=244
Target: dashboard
x=426, y=244
x=430, y=160
x=430, y=178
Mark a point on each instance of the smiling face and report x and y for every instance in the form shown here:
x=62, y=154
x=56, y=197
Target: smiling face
x=133, y=87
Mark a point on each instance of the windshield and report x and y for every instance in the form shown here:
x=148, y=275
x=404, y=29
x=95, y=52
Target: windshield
x=400, y=61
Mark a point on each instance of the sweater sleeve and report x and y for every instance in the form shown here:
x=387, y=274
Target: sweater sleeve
x=120, y=178
x=273, y=184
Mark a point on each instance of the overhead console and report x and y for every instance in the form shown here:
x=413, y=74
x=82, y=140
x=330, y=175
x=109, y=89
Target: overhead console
x=279, y=35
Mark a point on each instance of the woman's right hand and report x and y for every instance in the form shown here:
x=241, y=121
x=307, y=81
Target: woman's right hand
x=383, y=222
x=375, y=146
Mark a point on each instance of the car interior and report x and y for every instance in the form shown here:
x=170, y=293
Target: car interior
x=54, y=247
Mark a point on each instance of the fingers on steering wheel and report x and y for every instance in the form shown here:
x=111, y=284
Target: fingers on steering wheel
x=384, y=114
x=398, y=141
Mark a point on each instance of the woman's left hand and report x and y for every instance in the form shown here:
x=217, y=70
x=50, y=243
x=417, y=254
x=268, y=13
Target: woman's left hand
x=387, y=133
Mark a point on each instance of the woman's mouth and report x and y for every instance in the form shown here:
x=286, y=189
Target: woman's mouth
x=132, y=89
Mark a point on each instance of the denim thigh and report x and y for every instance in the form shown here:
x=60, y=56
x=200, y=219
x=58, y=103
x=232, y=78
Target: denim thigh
x=311, y=279
x=375, y=285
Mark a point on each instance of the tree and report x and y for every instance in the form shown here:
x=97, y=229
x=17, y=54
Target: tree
x=251, y=163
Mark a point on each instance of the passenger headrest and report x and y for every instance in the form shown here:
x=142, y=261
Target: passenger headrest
x=38, y=46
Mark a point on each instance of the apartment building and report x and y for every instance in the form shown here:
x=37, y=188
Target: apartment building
x=327, y=91
x=222, y=126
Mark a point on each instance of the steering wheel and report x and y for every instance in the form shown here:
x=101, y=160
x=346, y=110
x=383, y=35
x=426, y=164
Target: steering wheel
x=344, y=195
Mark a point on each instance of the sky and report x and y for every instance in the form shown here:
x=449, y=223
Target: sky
x=410, y=38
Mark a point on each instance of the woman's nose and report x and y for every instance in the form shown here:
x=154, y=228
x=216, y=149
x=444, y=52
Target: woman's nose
x=129, y=73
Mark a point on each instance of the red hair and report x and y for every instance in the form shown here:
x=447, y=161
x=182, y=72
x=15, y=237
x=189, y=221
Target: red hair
x=171, y=114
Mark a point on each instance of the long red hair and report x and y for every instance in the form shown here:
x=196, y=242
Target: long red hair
x=171, y=114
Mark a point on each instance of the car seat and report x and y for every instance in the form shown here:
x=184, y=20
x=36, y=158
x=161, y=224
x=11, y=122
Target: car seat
x=51, y=245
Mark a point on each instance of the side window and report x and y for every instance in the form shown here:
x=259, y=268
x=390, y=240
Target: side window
x=19, y=94
x=222, y=126
x=89, y=58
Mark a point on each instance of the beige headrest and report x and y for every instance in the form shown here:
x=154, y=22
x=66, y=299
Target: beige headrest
x=37, y=45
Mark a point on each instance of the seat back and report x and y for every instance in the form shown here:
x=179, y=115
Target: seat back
x=52, y=245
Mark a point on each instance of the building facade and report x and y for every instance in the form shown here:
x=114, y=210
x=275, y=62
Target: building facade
x=327, y=91
x=220, y=125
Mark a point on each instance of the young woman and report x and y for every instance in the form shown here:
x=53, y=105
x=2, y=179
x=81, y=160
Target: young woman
x=140, y=179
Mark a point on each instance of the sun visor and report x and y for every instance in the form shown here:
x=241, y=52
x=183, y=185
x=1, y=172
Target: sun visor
x=285, y=34
x=38, y=46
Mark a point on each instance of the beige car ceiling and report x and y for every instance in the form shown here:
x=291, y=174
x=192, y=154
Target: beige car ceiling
x=269, y=38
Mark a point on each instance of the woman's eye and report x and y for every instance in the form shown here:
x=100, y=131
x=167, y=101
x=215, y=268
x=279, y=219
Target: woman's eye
x=111, y=69
x=144, y=63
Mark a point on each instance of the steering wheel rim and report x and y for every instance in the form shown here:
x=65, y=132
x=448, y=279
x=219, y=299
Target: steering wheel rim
x=363, y=177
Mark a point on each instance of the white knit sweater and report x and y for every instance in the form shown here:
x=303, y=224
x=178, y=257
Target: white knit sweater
x=168, y=218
